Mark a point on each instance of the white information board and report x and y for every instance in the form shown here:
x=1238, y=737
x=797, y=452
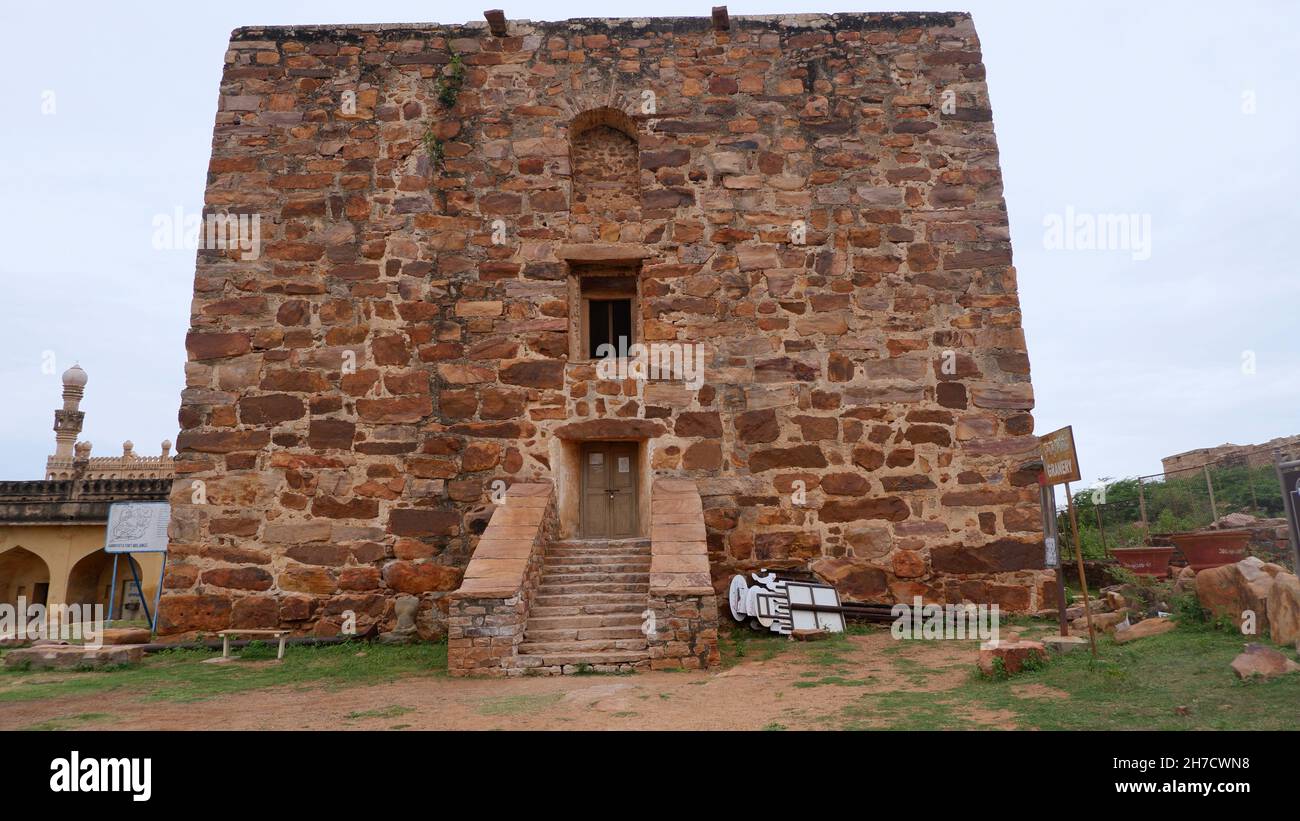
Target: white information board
x=137, y=527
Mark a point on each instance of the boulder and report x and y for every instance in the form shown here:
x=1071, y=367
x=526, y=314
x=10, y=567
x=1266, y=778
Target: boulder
x=1185, y=580
x=126, y=635
x=1284, y=609
x=1263, y=662
x=1234, y=588
x=1064, y=644
x=1014, y=654
x=1101, y=622
x=71, y=656
x=1144, y=628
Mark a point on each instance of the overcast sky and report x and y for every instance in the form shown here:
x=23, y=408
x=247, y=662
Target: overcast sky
x=1183, y=114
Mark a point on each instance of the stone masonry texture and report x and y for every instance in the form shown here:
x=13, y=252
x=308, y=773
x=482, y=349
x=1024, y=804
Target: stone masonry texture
x=401, y=340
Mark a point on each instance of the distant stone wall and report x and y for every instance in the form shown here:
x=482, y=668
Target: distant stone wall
x=1234, y=455
x=817, y=202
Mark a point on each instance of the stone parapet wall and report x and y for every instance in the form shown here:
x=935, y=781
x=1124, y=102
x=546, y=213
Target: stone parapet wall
x=487, y=615
x=685, y=608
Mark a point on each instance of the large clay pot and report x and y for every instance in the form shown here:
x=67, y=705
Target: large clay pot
x=1145, y=561
x=1212, y=548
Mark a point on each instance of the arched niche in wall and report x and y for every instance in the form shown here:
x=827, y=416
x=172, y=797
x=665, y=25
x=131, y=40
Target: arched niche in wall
x=605, y=162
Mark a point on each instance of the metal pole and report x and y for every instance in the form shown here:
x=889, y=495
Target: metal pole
x=1101, y=527
x=1083, y=577
x=1142, y=503
x=139, y=588
x=1047, y=499
x=157, y=594
x=112, y=589
x=1214, y=509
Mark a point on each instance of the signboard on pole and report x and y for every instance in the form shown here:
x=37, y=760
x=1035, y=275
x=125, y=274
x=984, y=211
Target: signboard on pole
x=137, y=527
x=1060, y=459
x=1061, y=466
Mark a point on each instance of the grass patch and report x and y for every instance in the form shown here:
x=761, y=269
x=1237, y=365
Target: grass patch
x=839, y=681
x=68, y=722
x=383, y=712
x=1147, y=685
x=179, y=675
x=515, y=705
x=742, y=644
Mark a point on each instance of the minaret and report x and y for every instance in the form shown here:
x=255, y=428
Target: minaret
x=67, y=420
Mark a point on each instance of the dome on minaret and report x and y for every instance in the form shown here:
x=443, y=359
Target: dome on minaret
x=74, y=377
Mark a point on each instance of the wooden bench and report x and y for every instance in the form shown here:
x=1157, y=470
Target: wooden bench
x=226, y=634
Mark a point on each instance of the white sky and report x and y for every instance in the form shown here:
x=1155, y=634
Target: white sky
x=1103, y=107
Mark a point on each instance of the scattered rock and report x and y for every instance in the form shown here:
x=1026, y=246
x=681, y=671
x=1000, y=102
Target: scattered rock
x=1144, y=628
x=810, y=635
x=69, y=656
x=1263, y=662
x=1101, y=622
x=126, y=635
x=1185, y=580
x=1014, y=655
x=1284, y=609
x=1233, y=521
x=1064, y=644
x=1234, y=588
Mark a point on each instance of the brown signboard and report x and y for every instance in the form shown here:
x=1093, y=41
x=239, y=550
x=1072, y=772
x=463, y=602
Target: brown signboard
x=1060, y=460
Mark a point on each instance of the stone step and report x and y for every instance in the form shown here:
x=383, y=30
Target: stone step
x=553, y=554
x=549, y=648
x=580, y=588
x=562, y=548
x=601, y=544
x=597, y=561
x=537, y=634
x=593, y=659
x=550, y=576
x=582, y=606
x=583, y=622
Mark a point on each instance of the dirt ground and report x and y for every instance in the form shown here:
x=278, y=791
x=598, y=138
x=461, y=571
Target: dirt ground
x=799, y=686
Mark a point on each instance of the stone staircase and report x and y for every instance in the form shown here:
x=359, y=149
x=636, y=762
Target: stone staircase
x=586, y=612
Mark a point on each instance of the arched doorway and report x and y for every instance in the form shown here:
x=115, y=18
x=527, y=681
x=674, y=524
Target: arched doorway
x=90, y=580
x=24, y=575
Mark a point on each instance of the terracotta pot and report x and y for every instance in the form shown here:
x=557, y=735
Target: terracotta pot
x=1145, y=561
x=1212, y=548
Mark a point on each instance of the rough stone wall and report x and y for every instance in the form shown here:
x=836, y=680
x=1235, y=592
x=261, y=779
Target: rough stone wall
x=606, y=186
x=354, y=390
x=1234, y=455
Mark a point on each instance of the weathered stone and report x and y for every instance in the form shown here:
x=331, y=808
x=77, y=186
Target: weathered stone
x=1283, y=605
x=855, y=581
x=1232, y=589
x=1143, y=629
x=1259, y=661
x=1009, y=657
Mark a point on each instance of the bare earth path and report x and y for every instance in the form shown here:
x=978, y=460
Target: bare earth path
x=797, y=686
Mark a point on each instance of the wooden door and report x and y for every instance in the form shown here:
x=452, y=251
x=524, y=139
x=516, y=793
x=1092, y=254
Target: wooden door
x=609, y=492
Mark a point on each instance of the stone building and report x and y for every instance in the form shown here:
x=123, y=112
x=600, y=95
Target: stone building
x=52, y=530
x=455, y=218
